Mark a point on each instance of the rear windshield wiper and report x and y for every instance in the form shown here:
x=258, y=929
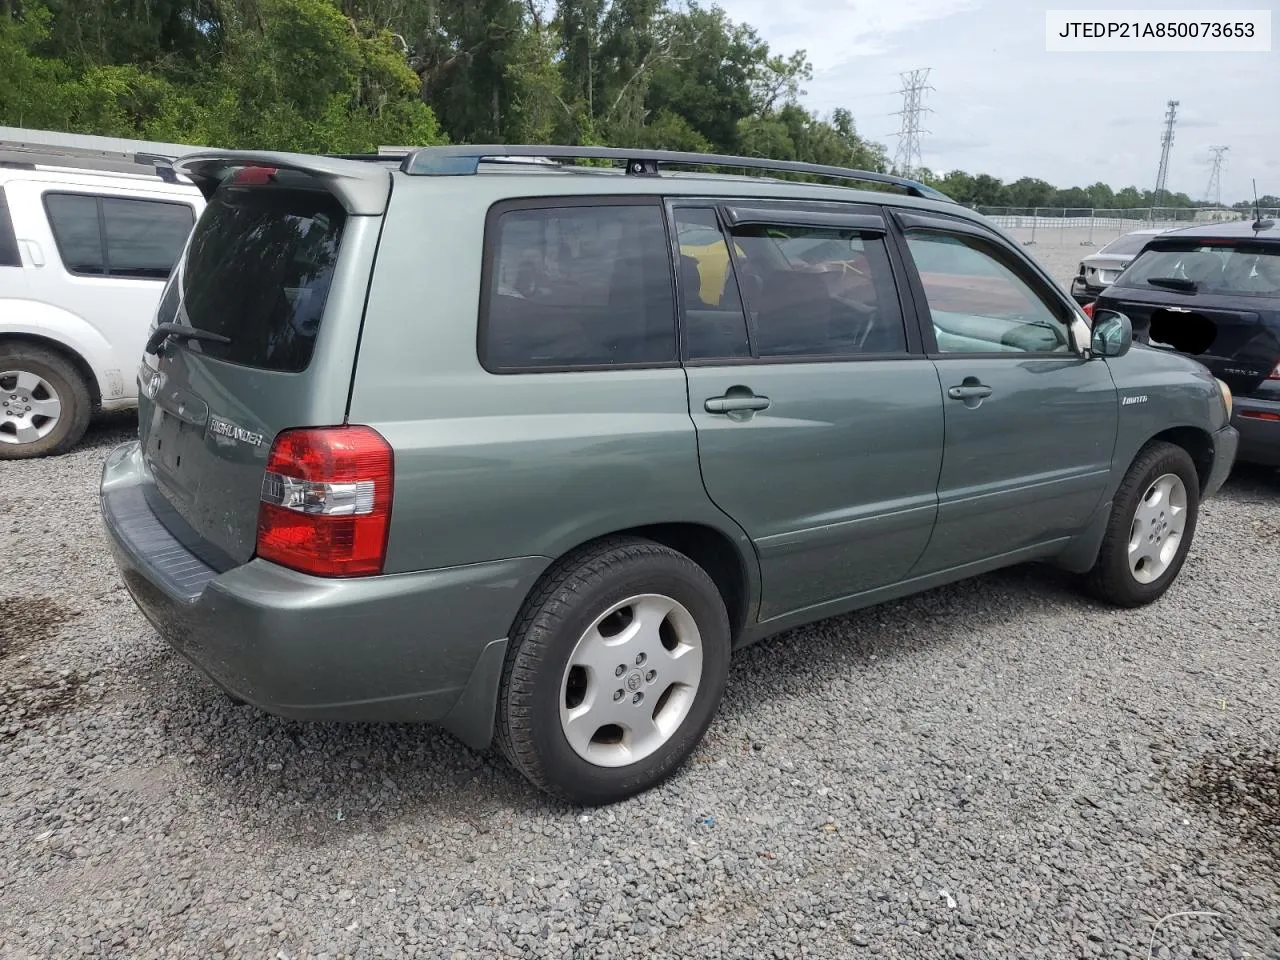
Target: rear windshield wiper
x=1174, y=283
x=164, y=331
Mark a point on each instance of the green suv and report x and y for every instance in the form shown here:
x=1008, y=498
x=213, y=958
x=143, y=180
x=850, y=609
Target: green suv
x=525, y=448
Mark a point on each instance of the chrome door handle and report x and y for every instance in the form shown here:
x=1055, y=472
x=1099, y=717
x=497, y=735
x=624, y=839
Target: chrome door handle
x=734, y=404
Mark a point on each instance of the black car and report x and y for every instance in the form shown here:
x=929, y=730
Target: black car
x=1212, y=292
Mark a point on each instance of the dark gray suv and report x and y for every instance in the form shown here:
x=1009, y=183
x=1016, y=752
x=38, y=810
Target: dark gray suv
x=526, y=449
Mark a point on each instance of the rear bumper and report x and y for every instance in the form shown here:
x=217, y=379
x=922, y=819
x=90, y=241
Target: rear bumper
x=422, y=646
x=1225, y=444
x=1259, y=439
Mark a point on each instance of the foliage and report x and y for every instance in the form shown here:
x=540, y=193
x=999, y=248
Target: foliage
x=987, y=191
x=285, y=74
x=349, y=75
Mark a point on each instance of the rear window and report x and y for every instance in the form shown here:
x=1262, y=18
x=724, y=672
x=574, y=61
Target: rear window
x=258, y=271
x=582, y=286
x=1247, y=270
x=1127, y=245
x=8, y=242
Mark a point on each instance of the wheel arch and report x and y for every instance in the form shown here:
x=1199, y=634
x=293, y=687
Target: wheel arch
x=67, y=352
x=1081, y=554
x=729, y=565
x=1196, y=441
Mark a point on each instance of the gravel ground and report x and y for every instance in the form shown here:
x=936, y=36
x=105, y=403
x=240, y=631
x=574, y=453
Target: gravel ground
x=997, y=769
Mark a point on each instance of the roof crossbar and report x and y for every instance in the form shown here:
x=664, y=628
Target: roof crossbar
x=465, y=159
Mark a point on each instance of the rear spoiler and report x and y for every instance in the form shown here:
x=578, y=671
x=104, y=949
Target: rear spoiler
x=362, y=188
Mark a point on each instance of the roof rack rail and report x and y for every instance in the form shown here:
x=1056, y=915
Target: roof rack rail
x=465, y=159
x=27, y=155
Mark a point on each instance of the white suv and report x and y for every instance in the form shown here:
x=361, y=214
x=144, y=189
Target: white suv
x=86, y=245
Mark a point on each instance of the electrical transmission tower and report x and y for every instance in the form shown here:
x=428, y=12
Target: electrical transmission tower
x=1162, y=177
x=1213, y=193
x=914, y=84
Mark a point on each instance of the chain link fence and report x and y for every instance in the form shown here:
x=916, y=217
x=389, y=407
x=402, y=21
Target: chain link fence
x=1090, y=227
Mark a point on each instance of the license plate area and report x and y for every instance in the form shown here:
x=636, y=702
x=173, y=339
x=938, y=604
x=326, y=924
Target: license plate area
x=173, y=443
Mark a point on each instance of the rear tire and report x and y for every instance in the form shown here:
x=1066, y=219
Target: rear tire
x=44, y=402
x=624, y=616
x=1152, y=525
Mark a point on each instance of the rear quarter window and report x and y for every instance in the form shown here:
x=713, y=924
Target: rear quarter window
x=258, y=271
x=574, y=286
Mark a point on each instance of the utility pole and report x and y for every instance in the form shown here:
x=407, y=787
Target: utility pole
x=914, y=84
x=1162, y=177
x=1213, y=193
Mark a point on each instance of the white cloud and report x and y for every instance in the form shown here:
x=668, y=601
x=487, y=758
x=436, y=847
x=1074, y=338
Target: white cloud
x=835, y=31
x=1002, y=105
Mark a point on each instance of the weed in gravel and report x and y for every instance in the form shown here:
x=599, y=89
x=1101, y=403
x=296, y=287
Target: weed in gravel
x=28, y=621
x=1244, y=789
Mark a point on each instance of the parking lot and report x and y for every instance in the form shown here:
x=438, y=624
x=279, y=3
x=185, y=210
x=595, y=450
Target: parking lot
x=996, y=769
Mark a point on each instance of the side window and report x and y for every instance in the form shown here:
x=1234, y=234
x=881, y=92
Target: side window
x=577, y=286
x=715, y=327
x=9, y=256
x=817, y=292
x=76, y=230
x=144, y=237
x=118, y=236
x=978, y=303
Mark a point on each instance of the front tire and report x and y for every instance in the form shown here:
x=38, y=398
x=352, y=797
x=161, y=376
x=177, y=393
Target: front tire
x=1153, y=521
x=44, y=403
x=617, y=664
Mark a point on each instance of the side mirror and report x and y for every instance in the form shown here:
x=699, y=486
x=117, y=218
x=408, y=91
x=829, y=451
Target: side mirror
x=1112, y=334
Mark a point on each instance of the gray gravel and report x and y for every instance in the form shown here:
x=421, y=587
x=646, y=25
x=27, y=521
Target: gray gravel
x=998, y=769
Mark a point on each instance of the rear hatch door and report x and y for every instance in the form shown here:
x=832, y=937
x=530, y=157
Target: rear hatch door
x=267, y=300
x=1216, y=302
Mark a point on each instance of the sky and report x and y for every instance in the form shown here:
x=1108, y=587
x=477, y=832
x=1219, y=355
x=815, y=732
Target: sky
x=1003, y=105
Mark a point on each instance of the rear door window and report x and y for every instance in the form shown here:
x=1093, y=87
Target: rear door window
x=258, y=271
x=77, y=231
x=118, y=236
x=577, y=286
x=809, y=292
x=816, y=292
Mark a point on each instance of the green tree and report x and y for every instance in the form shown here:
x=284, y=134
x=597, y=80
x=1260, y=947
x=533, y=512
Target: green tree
x=708, y=74
x=988, y=191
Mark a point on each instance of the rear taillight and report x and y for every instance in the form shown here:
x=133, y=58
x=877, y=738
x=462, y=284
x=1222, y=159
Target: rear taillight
x=326, y=501
x=1088, y=309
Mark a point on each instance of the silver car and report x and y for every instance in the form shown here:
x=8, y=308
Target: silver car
x=1099, y=270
